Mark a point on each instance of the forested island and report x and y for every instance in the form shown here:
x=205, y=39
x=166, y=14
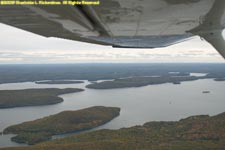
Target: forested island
x=220, y=79
x=141, y=81
x=33, y=97
x=59, y=82
x=40, y=130
x=197, y=133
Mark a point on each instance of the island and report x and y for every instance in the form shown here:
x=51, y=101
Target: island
x=192, y=133
x=219, y=79
x=33, y=97
x=40, y=130
x=59, y=82
x=141, y=81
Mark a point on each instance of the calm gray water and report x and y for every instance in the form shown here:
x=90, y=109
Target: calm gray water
x=165, y=102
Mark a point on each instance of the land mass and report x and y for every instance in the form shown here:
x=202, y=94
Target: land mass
x=94, y=72
x=220, y=79
x=197, y=133
x=141, y=81
x=40, y=130
x=59, y=82
x=33, y=97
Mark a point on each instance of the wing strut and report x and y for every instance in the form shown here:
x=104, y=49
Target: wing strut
x=216, y=39
x=212, y=27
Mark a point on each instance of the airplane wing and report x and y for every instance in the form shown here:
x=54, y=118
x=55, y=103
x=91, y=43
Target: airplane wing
x=124, y=23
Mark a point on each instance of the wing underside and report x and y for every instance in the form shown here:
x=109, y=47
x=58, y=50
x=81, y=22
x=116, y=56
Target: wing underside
x=121, y=23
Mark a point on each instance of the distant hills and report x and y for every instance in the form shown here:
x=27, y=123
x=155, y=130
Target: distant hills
x=93, y=72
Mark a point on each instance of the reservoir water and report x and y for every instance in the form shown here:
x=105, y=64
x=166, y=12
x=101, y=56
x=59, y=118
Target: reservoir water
x=164, y=102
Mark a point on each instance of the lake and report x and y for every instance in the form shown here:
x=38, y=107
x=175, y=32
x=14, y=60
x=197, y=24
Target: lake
x=164, y=102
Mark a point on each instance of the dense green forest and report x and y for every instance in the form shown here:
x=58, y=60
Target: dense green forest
x=193, y=133
x=40, y=130
x=33, y=97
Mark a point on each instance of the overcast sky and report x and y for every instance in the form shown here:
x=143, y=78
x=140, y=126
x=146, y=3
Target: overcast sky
x=19, y=46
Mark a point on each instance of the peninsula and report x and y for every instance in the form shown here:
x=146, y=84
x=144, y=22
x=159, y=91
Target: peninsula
x=40, y=130
x=33, y=97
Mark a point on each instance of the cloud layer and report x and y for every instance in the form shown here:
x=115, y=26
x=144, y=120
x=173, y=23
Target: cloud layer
x=18, y=46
